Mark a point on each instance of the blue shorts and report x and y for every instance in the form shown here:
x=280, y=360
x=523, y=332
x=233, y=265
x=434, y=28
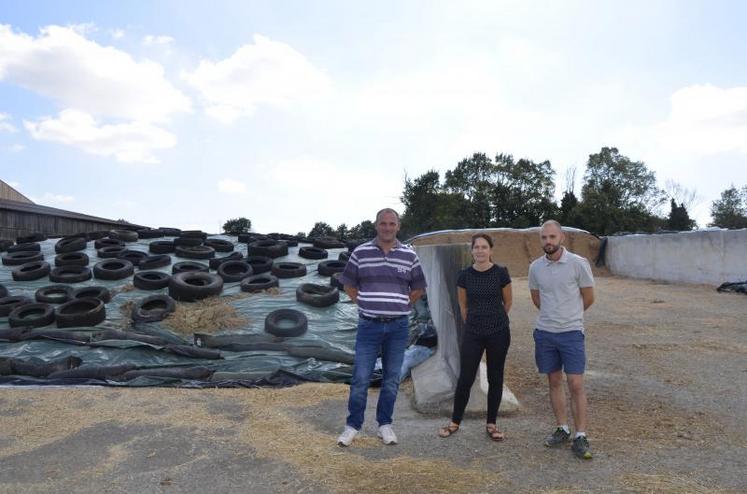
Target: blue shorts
x=556, y=351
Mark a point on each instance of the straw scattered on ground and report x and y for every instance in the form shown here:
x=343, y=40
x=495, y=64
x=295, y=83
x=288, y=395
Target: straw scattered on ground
x=207, y=316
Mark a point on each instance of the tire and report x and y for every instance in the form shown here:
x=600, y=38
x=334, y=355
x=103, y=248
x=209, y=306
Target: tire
x=187, y=241
x=123, y=235
x=110, y=251
x=70, y=274
x=80, y=312
x=151, y=280
x=289, y=269
x=25, y=247
x=194, y=234
x=22, y=257
x=219, y=245
x=161, y=247
x=107, y=242
x=233, y=271
x=259, y=282
x=153, y=262
x=270, y=248
x=260, y=264
x=134, y=256
x=99, y=292
x=334, y=281
x=195, y=252
x=31, y=316
x=328, y=243
x=7, y=304
x=149, y=233
x=343, y=256
x=312, y=253
x=54, y=294
x=192, y=286
x=233, y=256
x=154, y=308
x=96, y=235
x=188, y=267
x=286, y=323
x=353, y=244
x=3, y=291
x=246, y=238
x=70, y=244
x=72, y=259
x=328, y=268
x=114, y=269
x=170, y=232
x=317, y=295
x=31, y=271
x=33, y=237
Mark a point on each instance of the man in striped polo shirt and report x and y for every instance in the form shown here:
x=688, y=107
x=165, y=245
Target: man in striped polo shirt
x=384, y=278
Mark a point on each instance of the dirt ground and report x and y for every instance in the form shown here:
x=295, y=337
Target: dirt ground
x=667, y=385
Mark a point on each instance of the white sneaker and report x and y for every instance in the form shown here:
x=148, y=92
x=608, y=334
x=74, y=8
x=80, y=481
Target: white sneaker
x=347, y=436
x=387, y=435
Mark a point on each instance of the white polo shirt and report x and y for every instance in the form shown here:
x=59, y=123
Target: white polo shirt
x=559, y=283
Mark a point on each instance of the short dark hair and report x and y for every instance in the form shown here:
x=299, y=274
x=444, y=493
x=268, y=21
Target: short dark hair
x=483, y=236
x=387, y=210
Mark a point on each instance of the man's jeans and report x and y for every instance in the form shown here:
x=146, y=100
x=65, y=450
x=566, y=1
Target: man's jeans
x=391, y=339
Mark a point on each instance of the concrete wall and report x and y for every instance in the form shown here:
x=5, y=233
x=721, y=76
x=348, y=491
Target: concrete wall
x=710, y=257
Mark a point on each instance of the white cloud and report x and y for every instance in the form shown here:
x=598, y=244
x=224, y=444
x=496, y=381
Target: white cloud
x=117, y=33
x=230, y=186
x=5, y=125
x=706, y=120
x=78, y=73
x=127, y=142
x=16, y=148
x=264, y=73
x=15, y=185
x=150, y=40
x=49, y=199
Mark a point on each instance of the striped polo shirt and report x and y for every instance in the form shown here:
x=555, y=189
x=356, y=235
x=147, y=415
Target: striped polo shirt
x=383, y=281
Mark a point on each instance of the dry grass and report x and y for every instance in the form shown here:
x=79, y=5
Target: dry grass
x=32, y=420
x=207, y=316
x=665, y=484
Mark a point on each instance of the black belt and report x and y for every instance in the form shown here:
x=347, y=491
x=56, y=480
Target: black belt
x=381, y=319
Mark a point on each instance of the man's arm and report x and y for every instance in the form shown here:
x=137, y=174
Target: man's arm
x=352, y=293
x=535, y=297
x=416, y=294
x=587, y=293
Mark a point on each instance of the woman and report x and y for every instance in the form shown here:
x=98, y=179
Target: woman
x=484, y=291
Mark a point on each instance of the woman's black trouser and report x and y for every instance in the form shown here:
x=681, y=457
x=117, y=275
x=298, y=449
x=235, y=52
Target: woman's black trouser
x=473, y=345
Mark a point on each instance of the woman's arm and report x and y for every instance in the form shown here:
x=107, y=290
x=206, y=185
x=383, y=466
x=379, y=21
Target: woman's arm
x=462, y=297
x=508, y=297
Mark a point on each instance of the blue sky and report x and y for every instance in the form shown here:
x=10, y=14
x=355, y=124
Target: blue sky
x=187, y=114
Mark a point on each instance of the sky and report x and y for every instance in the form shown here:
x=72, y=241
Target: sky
x=188, y=113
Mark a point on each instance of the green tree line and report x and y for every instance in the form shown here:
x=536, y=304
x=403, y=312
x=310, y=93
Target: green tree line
x=618, y=194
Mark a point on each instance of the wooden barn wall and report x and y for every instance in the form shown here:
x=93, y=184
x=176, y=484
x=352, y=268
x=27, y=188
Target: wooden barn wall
x=16, y=223
x=8, y=192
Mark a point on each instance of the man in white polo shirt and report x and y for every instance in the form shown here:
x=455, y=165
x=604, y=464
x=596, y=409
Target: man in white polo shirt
x=562, y=288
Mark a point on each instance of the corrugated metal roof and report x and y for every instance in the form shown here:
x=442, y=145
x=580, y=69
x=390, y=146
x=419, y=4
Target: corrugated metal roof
x=61, y=213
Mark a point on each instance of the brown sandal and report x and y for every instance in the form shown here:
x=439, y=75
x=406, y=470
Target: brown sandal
x=494, y=433
x=448, y=430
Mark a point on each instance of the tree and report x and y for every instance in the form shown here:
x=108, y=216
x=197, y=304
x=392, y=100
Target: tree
x=523, y=193
x=472, y=178
x=364, y=230
x=342, y=232
x=236, y=226
x=679, y=219
x=321, y=229
x=730, y=211
x=618, y=194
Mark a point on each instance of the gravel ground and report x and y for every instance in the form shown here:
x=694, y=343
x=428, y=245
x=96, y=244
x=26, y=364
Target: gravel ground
x=667, y=385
